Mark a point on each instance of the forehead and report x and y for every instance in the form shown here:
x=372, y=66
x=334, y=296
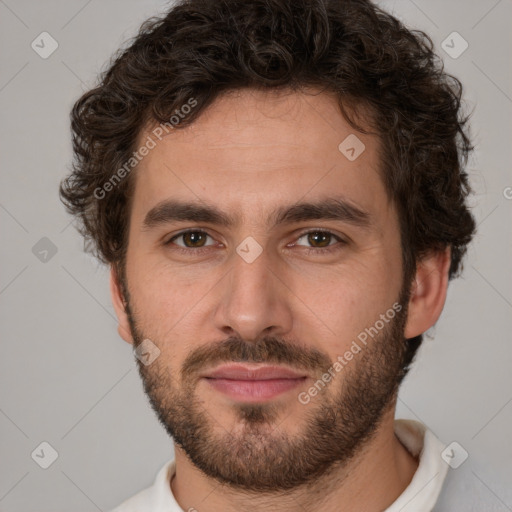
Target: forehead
x=251, y=151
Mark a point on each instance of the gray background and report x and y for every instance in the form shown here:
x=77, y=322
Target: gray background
x=66, y=376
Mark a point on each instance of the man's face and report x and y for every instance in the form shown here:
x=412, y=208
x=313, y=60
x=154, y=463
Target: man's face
x=261, y=291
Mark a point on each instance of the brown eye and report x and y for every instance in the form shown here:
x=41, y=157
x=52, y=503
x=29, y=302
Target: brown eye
x=190, y=239
x=319, y=242
x=319, y=239
x=194, y=239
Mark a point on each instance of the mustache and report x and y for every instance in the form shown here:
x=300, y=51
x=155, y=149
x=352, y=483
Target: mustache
x=265, y=350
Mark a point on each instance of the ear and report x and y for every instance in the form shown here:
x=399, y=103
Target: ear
x=428, y=292
x=123, y=327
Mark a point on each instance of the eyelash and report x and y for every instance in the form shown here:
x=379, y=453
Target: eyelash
x=308, y=250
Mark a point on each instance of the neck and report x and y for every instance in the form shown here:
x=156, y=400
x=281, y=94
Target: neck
x=371, y=481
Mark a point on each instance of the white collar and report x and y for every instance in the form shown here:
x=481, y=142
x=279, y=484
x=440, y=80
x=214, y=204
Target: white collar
x=423, y=491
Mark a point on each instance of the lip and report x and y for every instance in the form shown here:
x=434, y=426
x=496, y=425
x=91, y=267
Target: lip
x=253, y=383
x=253, y=372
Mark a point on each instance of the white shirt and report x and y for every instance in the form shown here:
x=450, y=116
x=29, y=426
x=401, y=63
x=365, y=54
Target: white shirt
x=421, y=495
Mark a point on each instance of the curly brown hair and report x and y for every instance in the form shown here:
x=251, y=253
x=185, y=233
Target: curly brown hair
x=202, y=48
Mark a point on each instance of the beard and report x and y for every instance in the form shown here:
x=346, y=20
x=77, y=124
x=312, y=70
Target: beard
x=257, y=455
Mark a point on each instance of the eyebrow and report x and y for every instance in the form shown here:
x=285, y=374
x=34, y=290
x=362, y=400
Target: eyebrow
x=339, y=209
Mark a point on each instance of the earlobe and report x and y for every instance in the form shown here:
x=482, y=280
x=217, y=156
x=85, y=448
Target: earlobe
x=123, y=327
x=428, y=292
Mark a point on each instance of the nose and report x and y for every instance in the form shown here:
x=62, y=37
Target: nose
x=254, y=301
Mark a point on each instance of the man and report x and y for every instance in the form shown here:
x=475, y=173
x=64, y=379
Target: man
x=279, y=189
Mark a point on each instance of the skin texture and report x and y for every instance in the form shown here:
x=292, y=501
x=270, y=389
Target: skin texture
x=249, y=153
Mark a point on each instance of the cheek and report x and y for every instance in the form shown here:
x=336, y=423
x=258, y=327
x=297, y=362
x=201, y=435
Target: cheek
x=163, y=298
x=342, y=302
